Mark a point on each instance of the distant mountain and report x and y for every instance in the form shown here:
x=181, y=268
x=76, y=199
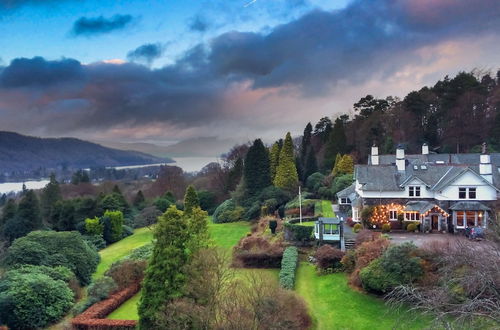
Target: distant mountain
x=20, y=153
x=196, y=147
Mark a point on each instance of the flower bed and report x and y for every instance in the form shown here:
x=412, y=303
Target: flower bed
x=95, y=316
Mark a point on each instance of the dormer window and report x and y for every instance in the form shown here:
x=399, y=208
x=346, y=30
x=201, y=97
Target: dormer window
x=414, y=191
x=466, y=193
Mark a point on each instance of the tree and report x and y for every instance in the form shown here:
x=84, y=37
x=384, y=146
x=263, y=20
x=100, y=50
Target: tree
x=50, y=195
x=336, y=144
x=344, y=166
x=197, y=228
x=8, y=212
x=164, y=279
x=310, y=165
x=274, y=156
x=80, y=176
x=256, y=173
x=286, y=173
x=306, y=142
x=323, y=128
x=65, y=213
x=94, y=226
x=27, y=217
x=113, y=226
x=191, y=199
x=139, y=200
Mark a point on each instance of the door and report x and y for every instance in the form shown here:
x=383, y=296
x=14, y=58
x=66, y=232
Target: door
x=435, y=222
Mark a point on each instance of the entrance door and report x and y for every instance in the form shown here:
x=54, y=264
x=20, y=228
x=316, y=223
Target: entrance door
x=435, y=222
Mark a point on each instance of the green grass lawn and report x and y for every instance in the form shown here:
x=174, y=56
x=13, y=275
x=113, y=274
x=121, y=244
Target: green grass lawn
x=122, y=248
x=324, y=207
x=334, y=305
x=224, y=235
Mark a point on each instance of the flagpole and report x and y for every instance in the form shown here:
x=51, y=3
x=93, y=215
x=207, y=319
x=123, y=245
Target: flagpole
x=300, y=205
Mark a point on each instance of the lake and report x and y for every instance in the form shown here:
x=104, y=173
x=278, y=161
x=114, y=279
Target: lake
x=18, y=186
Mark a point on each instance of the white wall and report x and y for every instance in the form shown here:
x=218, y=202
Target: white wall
x=484, y=192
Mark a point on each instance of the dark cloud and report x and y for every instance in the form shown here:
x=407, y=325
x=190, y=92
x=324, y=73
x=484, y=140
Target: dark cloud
x=85, y=26
x=199, y=23
x=309, y=55
x=146, y=53
x=9, y=4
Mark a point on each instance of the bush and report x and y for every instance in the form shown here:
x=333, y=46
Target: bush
x=227, y=205
x=251, y=214
x=349, y=261
x=350, y=222
x=357, y=227
x=297, y=232
x=141, y=253
x=386, y=228
x=257, y=252
x=366, y=214
x=207, y=201
x=94, y=227
x=113, y=226
x=32, y=299
x=365, y=254
x=127, y=272
x=288, y=267
x=49, y=248
x=397, y=266
x=328, y=258
x=127, y=231
x=411, y=227
x=95, y=241
x=366, y=235
x=315, y=181
x=162, y=204
x=147, y=217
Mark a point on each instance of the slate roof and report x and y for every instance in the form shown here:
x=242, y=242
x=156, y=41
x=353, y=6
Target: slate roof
x=420, y=207
x=457, y=159
x=469, y=206
x=378, y=177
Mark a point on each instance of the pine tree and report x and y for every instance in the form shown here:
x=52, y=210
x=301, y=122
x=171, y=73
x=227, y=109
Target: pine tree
x=234, y=175
x=9, y=211
x=50, y=195
x=306, y=143
x=27, y=218
x=343, y=165
x=139, y=200
x=286, y=173
x=191, y=199
x=198, y=228
x=336, y=143
x=274, y=158
x=310, y=165
x=256, y=173
x=164, y=278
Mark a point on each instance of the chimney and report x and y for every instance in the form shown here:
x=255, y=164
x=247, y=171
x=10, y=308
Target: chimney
x=400, y=158
x=425, y=149
x=374, y=156
x=485, y=168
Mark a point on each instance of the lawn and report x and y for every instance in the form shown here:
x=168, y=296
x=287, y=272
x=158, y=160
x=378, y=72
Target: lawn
x=324, y=207
x=122, y=248
x=334, y=305
x=224, y=235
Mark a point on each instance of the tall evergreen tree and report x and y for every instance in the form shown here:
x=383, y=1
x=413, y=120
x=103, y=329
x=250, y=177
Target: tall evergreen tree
x=286, y=173
x=306, y=143
x=257, y=173
x=27, y=218
x=9, y=211
x=234, y=175
x=274, y=156
x=191, y=199
x=336, y=143
x=310, y=165
x=139, y=200
x=164, y=279
x=50, y=195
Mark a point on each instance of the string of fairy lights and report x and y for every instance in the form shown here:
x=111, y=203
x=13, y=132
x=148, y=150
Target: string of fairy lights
x=381, y=213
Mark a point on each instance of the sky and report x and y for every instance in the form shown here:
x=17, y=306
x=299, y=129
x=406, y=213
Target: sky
x=166, y=71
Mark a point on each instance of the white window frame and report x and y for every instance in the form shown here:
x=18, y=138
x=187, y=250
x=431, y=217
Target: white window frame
x=468, y=191
x=414, y=191
x=391, y=215
x=344, y=200
x=412, y=216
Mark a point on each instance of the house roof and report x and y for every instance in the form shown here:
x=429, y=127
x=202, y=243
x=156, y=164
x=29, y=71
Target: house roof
x=347, y=192
x=378, y=177
x=421, y=206
x=469, y=206
x=335, y=221
x=457, y=159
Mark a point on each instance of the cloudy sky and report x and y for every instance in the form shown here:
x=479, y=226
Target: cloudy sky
x=170, y=70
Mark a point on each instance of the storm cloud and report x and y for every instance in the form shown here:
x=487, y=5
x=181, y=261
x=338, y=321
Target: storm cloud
x=147, y=53
x=86, y=26
x=218, y=82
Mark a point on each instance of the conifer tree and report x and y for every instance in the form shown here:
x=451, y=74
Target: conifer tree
x=256, y=173
x=27, y=218
x=336, y=143
x=191, y=199
x=50, y=195
x=139, y=200
x=274, y=158
x=286, y=173
x=9, y=211
x=310, y=165
x=343, y=165
x=198, y=228
x=306, y=143
x=164, y=279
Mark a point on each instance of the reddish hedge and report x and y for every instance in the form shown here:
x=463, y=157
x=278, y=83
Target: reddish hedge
x=257, y=252
x=94, y=317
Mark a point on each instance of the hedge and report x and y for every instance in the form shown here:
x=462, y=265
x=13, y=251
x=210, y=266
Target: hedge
x=298, y=232
x=288, y=267
x=94, y=317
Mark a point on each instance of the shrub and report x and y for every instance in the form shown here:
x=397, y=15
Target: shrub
x=147, y=217
x=350, y=222
x=141, y=253
x=162, y=204
x=251, y=214
x=127, y=231
x=51, y=248
x=366, y=214
x=365, y=254
x=366, y=235
x=288, y=267
x=95, y=241
x=113, y=226
x=295, y=232
x=222, y=212
x=207, y=201
x=94, y=227
x=357, y=227
x=32, y=299
x=127, y=272
x=257, y=252
x=386, y=228
x=101, y=288
x=411, y=227
x=397, y=266
x=349, y=261
x=328, y=258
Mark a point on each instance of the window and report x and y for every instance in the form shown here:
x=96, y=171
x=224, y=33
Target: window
x=393, y=215
x=464, y=193
x=344, y=200
x=414, y=191
x=460, y=219
x=472, y=193
x=412, y=216
x=471, y=218
x=480, y=215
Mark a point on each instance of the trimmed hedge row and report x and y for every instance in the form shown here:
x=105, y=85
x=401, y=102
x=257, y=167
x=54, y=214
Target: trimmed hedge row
x=94, y=317
x=297, y=232
x=288, y=267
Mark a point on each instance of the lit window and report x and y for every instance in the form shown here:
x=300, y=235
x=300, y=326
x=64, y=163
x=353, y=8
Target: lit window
x=414, y=191
x=460, y=219
x=393, y=215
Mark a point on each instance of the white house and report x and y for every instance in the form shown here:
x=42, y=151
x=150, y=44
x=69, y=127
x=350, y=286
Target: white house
x=444, y=192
